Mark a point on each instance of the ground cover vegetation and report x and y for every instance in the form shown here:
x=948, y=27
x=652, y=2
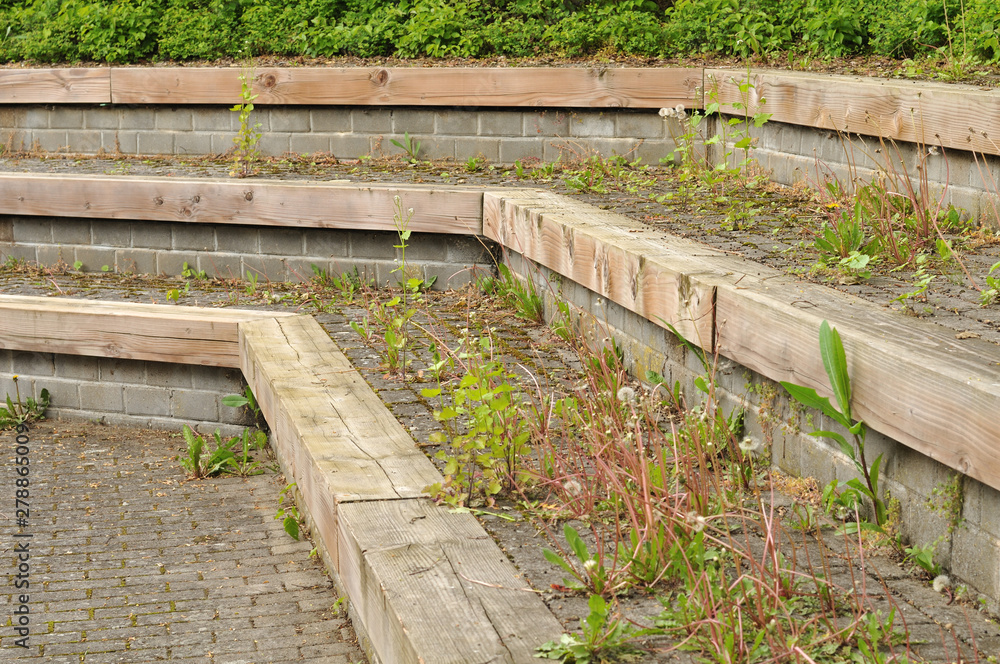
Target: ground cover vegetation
x=962, y=33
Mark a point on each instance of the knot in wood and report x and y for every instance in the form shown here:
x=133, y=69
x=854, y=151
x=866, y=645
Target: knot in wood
x=158, y=200
x=197, y=198
x=380, y=76
x=248, y=195
x=268, y=80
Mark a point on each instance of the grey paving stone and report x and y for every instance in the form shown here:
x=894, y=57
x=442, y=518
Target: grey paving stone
x=103, y=494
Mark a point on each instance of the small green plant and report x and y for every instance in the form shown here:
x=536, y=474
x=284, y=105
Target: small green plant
x=246, y=153
x=923, y=557
x=246, y=399
x=105, y=268
x=188, y=272
x=174, y=294
x=77, y=265
x=522, y=296
x=474, y=164
x=249, y=440
x=199, y=462
x=289, y=516
x=835, y=363
x=601, y=638
x=485, y=428
x=991, y=293
x=251, y=286
x=921, y=280
x=16, y=412
x=591, y=573
x=409, y=146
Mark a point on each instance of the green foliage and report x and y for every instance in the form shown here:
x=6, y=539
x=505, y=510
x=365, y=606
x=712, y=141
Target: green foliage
x=485, y=429
x=991, y=293
x=408, y=145
x=200, y=461
x=129, y=31
x=522, y=296
x=246, y=153
x=288, y=515
x=590, y=574
x=602, y=638
x=844, y=494
x=17, y=412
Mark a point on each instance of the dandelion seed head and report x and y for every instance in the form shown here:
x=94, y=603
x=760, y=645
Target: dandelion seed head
x=572, y=487
x=590, y=565
x=941, y=583
x=667, y=112
x=626, y=394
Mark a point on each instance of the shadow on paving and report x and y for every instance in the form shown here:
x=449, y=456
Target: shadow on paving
x=131, y=563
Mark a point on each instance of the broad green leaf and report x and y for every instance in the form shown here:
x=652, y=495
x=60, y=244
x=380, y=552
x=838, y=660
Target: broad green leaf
x=845, y=446
x=576, y=543
x=808, y=397
x=428, y=392
x=743, y=143
x=291, y=527
x=835, y=362
x=555, y=559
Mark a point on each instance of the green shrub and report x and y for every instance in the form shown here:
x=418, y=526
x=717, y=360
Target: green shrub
x=193, y=30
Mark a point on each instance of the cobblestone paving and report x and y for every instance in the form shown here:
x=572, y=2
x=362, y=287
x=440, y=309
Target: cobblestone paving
x=131, y=563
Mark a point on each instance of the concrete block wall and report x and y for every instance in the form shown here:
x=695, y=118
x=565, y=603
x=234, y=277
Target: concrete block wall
x=794, y=154
x=503, y=136
x=228, y=251
x=127, y=392
x=920, y=484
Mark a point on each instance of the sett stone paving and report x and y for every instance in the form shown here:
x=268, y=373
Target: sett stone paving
x=132, y=563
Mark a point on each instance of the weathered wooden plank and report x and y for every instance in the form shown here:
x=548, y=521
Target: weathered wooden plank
x=186, y=335
x=954, y=116
x=413, y=86
x=401, y=557
x=252, y=202
x=611, y=255
x=338, y=436
x=76, y=85
x=912, y=380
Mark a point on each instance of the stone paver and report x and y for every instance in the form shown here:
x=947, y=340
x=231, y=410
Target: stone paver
x=129, y=562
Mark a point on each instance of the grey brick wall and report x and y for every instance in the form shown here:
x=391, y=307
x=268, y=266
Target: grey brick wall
x=228, y=251
x=972, y=551
x=126, y=392
x=346, y=132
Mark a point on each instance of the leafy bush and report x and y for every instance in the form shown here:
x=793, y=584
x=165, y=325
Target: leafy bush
x=122, y=31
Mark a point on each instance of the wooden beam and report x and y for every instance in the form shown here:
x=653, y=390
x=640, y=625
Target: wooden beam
x=330, y=424
x=253, y=202
x=570, y=87
x=962, y=117
x=431, y=586
x=158, y=333
x=409, y=567
x=912, y=380
x=624, y=261
x=77, y=85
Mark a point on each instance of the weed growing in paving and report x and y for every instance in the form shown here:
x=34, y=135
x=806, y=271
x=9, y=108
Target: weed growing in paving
x=201, y=462
x=851, y=494
x=246, y=153
x=17, y=412
x=288, y=515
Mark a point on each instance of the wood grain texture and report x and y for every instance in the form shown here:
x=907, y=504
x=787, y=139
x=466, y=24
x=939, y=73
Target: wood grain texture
x=413, y=86
x=336, y=433
x=77, y=85
x=252, y=202
x=421, y=555
x=953, y=116
x=912, y=381
x=159, y=333
x=611, y=255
